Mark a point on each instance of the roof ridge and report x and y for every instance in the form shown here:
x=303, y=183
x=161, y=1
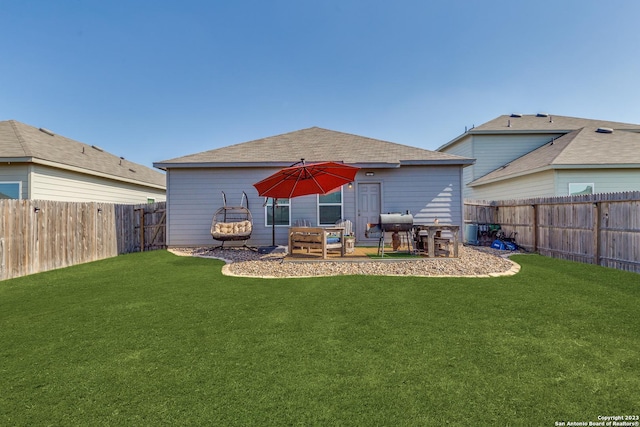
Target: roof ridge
x=23, y=143
x=368, y=137
x=553, y=117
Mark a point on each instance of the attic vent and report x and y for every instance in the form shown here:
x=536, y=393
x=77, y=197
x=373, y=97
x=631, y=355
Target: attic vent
x=604, y=130
x=47, y=131
x=542, y=115
x=95, y=147
x=516, y=115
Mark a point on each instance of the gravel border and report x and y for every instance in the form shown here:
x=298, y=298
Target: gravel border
x=473, y=261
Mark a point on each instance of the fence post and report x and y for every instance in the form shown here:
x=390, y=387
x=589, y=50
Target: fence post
x=596, y=233
x=534, y=221
x=141, y=210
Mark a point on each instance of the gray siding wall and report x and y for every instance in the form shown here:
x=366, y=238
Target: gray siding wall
x=427, y=192
x=492, y=151
x=464, y=148
x=60, y=185
x=195, y=194
x=16, y=173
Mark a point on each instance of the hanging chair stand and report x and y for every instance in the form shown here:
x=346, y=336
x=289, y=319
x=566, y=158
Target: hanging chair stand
x=232, y=223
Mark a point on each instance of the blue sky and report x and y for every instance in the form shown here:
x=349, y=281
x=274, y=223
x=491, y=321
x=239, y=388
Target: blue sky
x=155, y=80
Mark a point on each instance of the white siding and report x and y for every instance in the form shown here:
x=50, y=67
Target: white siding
x=195, y=194
x=60, y=185
x=556, y=183
x=605, y=180
x=536, y=185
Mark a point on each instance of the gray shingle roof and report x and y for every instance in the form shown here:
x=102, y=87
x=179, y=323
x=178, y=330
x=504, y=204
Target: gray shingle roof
x=23, y=143
x=538, y=123
x=313, y=144
x=582, y=148
x=546, y=123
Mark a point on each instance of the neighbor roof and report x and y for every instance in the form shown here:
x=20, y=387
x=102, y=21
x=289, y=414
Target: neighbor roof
x=582, y=148
x=23, y=143
x=539, y=123
x=314, y=144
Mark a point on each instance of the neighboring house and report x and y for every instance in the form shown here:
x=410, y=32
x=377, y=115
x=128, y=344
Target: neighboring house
x=36, y=163
x=525, y=156
x=393, y=178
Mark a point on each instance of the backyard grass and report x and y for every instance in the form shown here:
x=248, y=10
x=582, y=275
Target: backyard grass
x=156, y=339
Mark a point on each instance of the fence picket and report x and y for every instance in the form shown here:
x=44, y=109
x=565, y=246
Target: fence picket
x=597, y=228
x=40, y=235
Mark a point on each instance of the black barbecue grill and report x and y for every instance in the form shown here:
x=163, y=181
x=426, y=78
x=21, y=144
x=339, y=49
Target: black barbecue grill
x=394, y=223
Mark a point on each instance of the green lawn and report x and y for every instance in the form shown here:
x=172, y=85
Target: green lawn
x=156, y=339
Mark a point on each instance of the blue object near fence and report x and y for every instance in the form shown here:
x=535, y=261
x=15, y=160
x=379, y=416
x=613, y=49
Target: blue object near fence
x=503, y=246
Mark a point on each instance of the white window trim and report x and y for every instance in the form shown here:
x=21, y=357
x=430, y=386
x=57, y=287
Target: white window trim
x=318, y=204
x=267, y=209
x=19, y=187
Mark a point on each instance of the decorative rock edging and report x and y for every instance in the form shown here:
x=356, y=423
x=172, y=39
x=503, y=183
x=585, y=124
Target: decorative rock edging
x=473, y=262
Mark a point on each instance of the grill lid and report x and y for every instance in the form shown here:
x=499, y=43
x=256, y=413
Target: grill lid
x=396, y=221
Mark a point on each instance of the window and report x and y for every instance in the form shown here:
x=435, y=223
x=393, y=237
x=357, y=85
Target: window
x=10, y=190
x=579, y=189
x=282, y=213
x=330, y=208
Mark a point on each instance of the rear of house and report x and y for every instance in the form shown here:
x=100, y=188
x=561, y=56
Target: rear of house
x=392, y=178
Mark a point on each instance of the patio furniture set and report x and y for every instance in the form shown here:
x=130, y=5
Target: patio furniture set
x=419, y=239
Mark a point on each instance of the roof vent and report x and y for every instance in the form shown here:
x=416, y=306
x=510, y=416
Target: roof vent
x=604, y=130
x=516, y=115
x=542, y=115
x=95, y=147
x=132, y=170
x=47, y=131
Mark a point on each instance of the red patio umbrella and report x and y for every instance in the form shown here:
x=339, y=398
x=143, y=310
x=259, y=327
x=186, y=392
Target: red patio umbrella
x=303, y=179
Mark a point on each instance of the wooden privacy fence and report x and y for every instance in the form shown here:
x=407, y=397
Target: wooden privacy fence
x=601, y=229
x=38, y=235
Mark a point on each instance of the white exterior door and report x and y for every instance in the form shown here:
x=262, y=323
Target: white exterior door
x=369, y=205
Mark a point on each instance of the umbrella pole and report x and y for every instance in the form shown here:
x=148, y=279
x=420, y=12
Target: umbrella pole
x=273, y=222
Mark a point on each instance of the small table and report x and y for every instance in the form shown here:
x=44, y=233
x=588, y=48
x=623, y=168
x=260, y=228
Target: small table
x=428, y=233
